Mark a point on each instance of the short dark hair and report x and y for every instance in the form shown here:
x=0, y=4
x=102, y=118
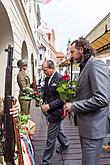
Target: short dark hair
x=50, y=64
x=85, y=44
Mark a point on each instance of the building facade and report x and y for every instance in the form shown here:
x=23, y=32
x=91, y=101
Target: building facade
x=47, y=50
x=18, y=28
x=99, y=37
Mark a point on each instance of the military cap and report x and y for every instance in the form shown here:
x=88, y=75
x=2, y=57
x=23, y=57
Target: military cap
x=21, y=62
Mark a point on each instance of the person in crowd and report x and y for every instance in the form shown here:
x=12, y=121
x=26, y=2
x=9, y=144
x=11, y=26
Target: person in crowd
x=91, y=102
x=66, y=76
x=53, y=107
x=106, y=147
x=23, y=82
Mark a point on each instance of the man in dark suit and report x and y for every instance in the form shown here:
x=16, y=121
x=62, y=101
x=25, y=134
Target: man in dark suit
x=53, y=107
x=91, y=103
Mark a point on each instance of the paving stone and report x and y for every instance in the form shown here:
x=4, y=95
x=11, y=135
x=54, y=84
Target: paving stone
x=70, y=157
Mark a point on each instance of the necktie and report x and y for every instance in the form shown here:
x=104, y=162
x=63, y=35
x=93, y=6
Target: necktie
x=49, y=81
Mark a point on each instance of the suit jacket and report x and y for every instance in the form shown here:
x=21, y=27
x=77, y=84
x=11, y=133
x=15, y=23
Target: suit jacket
x=92, y=99
x=51, y=97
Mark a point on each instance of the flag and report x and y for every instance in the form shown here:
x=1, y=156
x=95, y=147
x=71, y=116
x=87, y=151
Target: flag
x=44, y=29
x=43, y=1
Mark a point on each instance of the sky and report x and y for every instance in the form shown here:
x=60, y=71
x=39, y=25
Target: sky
x=72, y=19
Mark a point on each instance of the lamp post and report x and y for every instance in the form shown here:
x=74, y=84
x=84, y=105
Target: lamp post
x=71, y=68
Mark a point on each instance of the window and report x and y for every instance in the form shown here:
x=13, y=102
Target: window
x=40, y=56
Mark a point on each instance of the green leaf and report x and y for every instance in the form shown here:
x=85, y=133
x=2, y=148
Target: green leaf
x=23, y=131
x=66, y=89
x=60, y=90
x=23, y=119
x=28, y=98
x=64, y=86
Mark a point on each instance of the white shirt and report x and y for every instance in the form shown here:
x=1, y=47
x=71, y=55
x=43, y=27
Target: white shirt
x=51, y=78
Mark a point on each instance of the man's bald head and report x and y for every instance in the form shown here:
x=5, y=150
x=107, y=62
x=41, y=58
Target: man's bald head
x=49, y=63
x=48, y=67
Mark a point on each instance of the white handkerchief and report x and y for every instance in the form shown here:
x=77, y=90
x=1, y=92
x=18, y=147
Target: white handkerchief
x=54, y=84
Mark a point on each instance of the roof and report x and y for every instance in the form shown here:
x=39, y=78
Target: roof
x=102, y=41
x=102, y=21
x=65, y=63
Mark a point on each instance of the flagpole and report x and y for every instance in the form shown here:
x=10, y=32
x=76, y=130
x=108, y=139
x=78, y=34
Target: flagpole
x=71, y=65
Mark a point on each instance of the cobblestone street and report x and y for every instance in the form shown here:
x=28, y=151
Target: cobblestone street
x=70, y=157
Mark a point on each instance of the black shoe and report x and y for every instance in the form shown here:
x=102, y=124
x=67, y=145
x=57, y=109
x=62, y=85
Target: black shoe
x=62, y=148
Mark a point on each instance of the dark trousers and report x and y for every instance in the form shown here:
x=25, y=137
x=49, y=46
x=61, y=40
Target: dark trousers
x=54, y=131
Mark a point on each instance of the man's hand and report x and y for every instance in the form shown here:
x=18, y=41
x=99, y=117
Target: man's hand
x=45, y=107
x=14, y=110
x=67, y=108
x=1, y=106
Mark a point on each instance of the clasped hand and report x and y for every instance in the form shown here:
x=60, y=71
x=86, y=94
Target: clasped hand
x=13, y=111
x=67, y=108
x=45, y=107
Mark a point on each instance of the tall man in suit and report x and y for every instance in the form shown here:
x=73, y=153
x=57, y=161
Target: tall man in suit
x=91, y=101
x=53, y=106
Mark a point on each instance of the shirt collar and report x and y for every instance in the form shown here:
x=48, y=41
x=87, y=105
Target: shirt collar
x=83, y=62
x=51, y=76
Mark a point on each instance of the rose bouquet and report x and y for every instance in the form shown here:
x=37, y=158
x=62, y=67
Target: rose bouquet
x=29, y=94
x=67, y=89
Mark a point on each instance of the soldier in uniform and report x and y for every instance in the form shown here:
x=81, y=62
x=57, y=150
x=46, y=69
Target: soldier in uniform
x=23, y=82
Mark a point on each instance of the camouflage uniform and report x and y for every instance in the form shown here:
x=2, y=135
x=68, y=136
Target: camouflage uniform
x=23, y=82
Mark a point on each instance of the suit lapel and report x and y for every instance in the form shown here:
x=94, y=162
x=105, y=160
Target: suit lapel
x=46, y=84
x=53, y=78
x=84, y=69
x=47, y=87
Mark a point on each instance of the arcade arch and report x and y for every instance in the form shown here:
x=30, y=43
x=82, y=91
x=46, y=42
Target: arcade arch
x=6, y=38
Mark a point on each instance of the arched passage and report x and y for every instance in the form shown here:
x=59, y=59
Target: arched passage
x=6, y=38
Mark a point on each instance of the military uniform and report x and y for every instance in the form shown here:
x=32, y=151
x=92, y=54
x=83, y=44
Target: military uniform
x=23, y=82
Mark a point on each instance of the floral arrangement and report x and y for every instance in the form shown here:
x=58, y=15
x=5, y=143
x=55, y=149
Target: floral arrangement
x=23, y=119
x=66, y=77
x=29, y=94
x=67, y=89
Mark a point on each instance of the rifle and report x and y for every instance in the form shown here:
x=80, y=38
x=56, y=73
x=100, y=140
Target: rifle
x=11, y=130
